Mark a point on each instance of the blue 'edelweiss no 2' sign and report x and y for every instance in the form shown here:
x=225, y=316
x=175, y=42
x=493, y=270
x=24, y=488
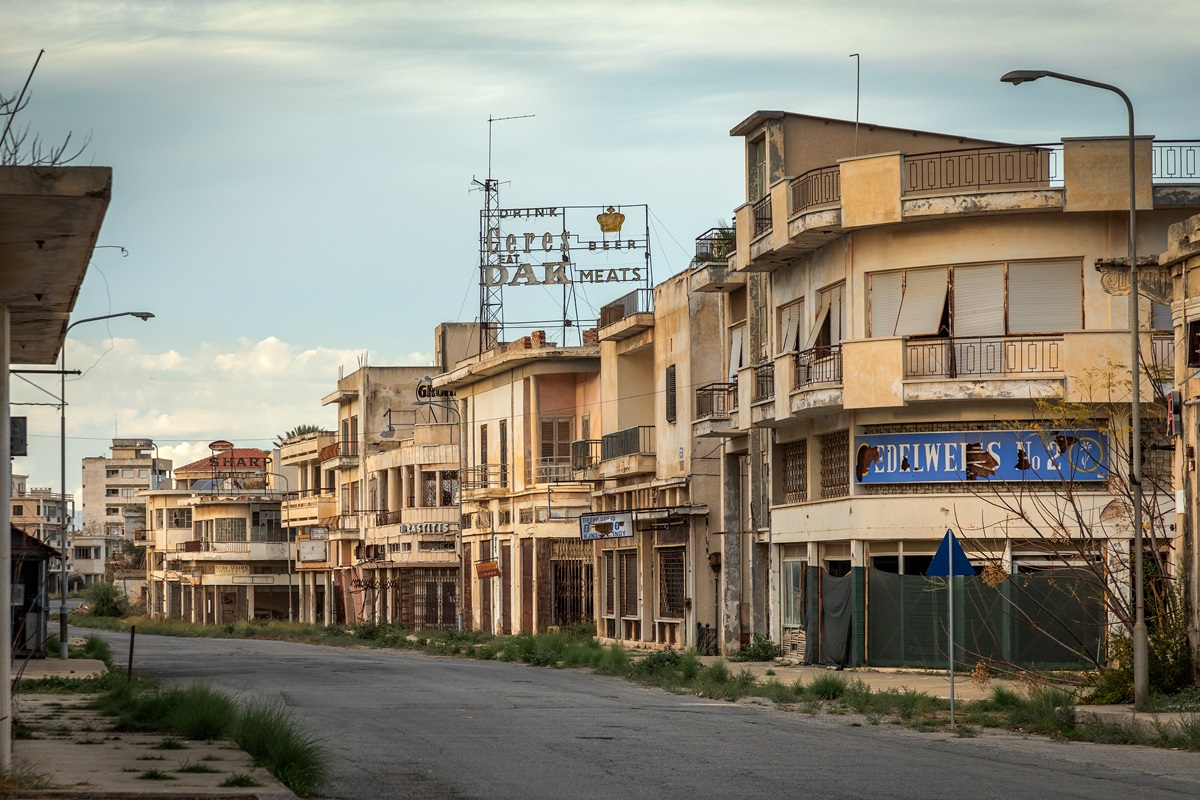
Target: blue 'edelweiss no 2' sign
x=1080, y=455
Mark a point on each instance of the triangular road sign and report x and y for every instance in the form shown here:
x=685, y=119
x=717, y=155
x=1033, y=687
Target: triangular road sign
x=949, y=549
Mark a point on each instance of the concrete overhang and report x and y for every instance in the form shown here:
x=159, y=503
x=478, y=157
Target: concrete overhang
x=494, y=362
x=50, y=219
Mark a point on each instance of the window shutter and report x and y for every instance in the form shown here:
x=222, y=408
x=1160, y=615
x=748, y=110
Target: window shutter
x=922, y=303
x=566, y=430
x=837, y=315
x=1160, y=317
x=979, y=300
x=547, y=437
x=886, y=290
x=818, y=321
x=1045, y=297
x=737, y=349
x=791, y=318
x=671, y=398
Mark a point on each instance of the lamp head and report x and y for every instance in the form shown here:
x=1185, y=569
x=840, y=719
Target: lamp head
x=388, y=432
x=1019, y=76
x=142, y=315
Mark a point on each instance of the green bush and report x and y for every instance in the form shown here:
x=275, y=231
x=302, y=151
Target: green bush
x=268, y=731
x=826, y=687
x=105, y=600
x=201, y=713
x=760, y=649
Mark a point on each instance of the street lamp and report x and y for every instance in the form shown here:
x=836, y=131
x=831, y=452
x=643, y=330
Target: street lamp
x=1141, y=677
x=286, y=503
x=62, y=465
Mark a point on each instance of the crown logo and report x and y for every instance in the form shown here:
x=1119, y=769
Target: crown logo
x=610, y=220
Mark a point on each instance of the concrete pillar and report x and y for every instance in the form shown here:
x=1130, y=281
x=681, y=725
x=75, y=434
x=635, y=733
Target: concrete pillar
x=731, y=555
x=249, y=602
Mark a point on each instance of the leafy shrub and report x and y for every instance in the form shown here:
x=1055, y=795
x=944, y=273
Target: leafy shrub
x=826, y=687
x=760, y=649
x=106, y=600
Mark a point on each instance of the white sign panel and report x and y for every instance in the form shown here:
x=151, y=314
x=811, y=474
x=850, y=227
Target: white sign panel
x=605, y=526
x=317, y=550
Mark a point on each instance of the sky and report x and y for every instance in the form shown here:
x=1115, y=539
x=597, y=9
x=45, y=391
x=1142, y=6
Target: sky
x=292, y=180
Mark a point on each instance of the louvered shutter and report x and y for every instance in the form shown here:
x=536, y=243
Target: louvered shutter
x=818, y=322
x=837, y=315
x=979, y=300
x=922, y=303
x=789, y=327
x=547, y=436
x=671, y=399
x=737, y=350
x=886, y=290
x=1160, y=317
x=1045, y=297
x=562, y=445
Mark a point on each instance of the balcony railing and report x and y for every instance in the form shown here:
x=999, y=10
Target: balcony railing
x=1162, y=355
x=821, y=186
x=716, y=400
x=342, y=448
x=982, y=356
x=979, y=169
x=631, y=441
x=818, y=365
x=1175, y=162
x=387, y=518
x=715, y=244
x=762, y=216
x=340, y=522
x=636, y=302
x=486, y=476
x=585, y=454
x=556, y=469
x=764, y=382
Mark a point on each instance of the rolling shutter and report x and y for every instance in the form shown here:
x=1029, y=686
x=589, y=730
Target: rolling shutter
x=923, y=300
x=1045, y=297
x=789, y=326
x=979, y=300
x=886, y=290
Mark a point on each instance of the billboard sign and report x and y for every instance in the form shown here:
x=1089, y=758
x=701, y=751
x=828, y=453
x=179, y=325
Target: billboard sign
x=952, y=456
x=605, y=526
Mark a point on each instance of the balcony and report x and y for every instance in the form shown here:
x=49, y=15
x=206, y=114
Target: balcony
x=554, y=469
x=764, y=383
x=981, y=170
x=342, y=454
x=716, y=406
x=820, y=365
x=627, y=452
x=585, y=454
x=627, y=316
x=490, y=479
x=712, y=273
x=821, y=187
x=342, y=525
x=307, y=507
x=761, y=212
x=978, y=357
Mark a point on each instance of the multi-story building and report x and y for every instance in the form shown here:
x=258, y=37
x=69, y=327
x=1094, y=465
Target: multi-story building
x=309, y=504
x=906, y=330
x=40, y=513
x=216, y=548
x=521, y=405
x=112, y=510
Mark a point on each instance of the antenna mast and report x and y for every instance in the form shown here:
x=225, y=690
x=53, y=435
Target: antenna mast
x=491, y=303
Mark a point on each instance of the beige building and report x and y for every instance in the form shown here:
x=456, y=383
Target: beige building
x=216, y=548
x=40, y=512
x=112, y=511
x=898, y=325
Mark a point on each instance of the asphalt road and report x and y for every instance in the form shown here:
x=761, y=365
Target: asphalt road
x=404, y=725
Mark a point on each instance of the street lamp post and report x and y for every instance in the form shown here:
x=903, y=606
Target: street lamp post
x=287, y=525
x=62, y=465
x=1141, y=676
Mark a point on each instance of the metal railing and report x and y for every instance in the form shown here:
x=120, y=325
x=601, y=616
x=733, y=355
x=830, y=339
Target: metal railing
x=764, y=382
x=820, y=186
x=486, y=476
x=340, y=522
x=387, y=518
x=715, y=244
x=554, y=469
x=636, y=302
x=1162, y=356
x=982, y=168
x=631, y=441
x=762, y=215
x=585, y=454
x=982, y=356
x=1175, y=162
x=716, y=400
x=818, y=365
x=344, y=447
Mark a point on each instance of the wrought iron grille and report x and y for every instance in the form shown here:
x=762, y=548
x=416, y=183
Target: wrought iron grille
x=525, y=516
x=671, y=585
x=818, y=365
x=636, y=302
x=585, y=454
x=715, y=400
x=835, y=464
x=555, y=469
x=821, y=186
x=795, y=471
x=631, y=441
x=485, y=476
x=981, y=356
x=570, y=582
x=1175, y=162
x=978, y=169
x=762, y=216
x=715, y=244
x=764, y=382
x=629, y=583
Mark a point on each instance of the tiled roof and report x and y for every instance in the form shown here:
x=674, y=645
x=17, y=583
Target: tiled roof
x=239, y=459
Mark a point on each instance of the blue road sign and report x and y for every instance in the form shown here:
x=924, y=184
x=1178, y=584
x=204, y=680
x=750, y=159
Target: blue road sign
x=949, y=549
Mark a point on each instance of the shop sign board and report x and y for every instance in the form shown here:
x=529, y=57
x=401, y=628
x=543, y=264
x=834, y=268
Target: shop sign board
x=998, y=455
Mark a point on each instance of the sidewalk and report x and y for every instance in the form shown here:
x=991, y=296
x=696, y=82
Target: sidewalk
x=75, y=747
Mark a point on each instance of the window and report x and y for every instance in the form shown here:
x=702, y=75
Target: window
x=738, y=356
x=179, y=518
x=757, y=161
x=428, y=489
x=112, y=511
x=793, y=593
x=835, y=464
x=556, y=435
x=483, y=445
x=671, y=582
x=143, y=473
x=978, y=300
x=449, y=488
x=159, y=517
x=127, y=492
x=1160, y=317
x=829, y=326
x=264, y=524
x=229, y=529
x=18, y=511
x=791, y=318
x=671, y=398
x=111, y=492
x=126, y=473
x=111, y=473
x=503, y=453
x=795, y=471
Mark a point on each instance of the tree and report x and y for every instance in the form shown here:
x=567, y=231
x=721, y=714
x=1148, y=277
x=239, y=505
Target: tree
x=299, y=430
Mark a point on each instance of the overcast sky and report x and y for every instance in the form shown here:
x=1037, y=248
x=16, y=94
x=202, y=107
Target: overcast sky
x=292, y=179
